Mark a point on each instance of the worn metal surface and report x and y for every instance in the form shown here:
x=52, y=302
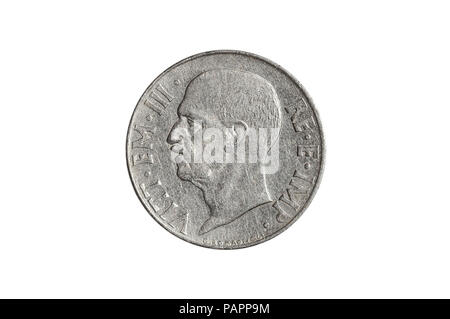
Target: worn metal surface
x=231, y=203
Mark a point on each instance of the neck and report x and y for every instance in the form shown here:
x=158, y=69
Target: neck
x=227, y=202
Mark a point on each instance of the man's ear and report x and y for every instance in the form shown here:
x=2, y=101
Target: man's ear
x=239, y=128
x=234, y=136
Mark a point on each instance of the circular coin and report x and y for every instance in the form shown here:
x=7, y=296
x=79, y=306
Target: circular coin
x=225, y=149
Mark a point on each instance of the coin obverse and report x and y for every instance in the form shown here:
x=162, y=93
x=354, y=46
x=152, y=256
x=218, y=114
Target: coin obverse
x=225, y=149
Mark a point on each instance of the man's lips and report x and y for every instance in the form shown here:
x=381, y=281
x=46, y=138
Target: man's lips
x=179, y=159
x=177, y=148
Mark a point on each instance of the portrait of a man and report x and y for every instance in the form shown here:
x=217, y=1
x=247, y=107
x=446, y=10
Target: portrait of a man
x=239, y=101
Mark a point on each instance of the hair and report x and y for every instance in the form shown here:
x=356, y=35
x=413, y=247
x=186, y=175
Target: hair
x=234, y=95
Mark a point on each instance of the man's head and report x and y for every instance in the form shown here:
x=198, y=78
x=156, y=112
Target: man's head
x=234, y=102
x=229, y=96
x=221, y=99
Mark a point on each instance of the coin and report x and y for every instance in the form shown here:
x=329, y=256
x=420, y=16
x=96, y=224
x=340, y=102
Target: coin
x=225, y=149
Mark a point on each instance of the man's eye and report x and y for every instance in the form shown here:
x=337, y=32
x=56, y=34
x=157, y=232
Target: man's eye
x=190, y=122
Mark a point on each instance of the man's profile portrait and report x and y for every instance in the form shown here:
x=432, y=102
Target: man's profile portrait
x=235, y=102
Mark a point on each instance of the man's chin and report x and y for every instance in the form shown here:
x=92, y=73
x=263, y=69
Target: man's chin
x=184, y=172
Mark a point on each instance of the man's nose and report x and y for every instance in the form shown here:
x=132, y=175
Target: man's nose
x=175, y=135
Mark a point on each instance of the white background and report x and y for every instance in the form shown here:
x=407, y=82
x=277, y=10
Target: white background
x=71, y=74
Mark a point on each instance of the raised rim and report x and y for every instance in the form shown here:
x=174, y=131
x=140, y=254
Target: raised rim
x=316, y=116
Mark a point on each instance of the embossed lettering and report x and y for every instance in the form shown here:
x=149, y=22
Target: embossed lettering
x=292, y=199
x=144, y=157
x=164, y=207
x=145, y=137
x=144, y=153
x=158, y=99
x=308, y=151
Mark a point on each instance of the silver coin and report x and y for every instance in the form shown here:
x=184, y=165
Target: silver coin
x=225, y=149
